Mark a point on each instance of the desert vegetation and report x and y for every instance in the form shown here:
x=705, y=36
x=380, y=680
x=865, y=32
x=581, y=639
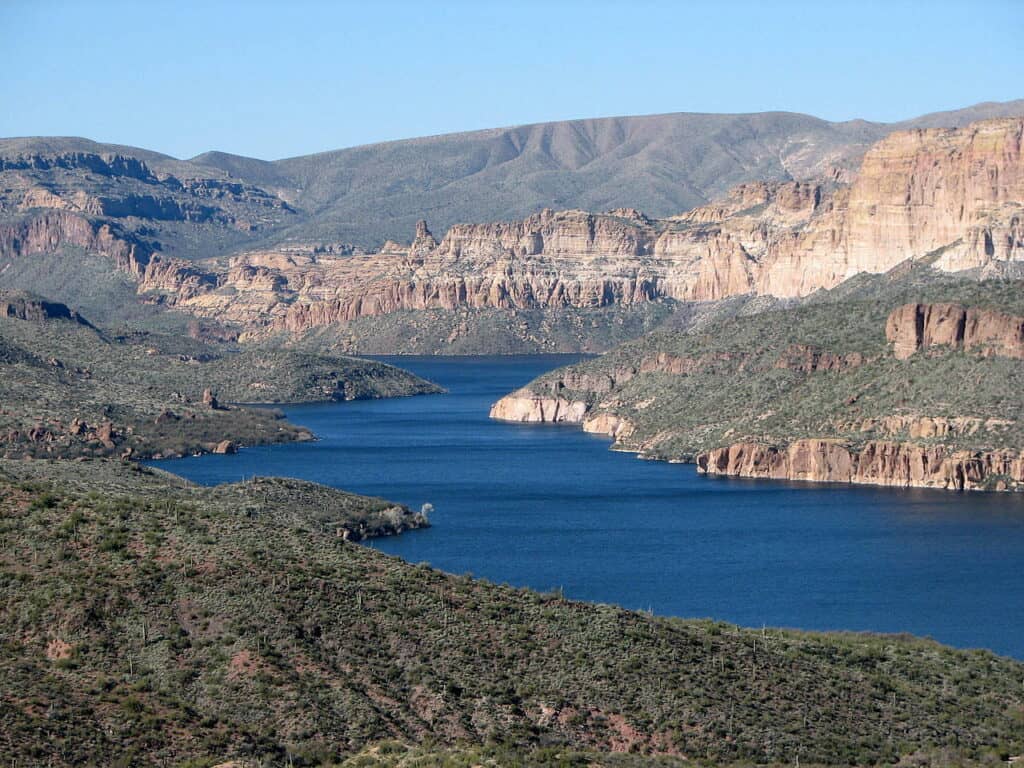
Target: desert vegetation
x=147, y=619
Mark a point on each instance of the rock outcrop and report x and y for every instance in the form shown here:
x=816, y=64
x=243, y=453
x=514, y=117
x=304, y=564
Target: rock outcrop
x=49, y=231
x=952, y=196
x=609, y=424
x=21, y=306
x=876, y=463
x=525, y=406
x=915, y=327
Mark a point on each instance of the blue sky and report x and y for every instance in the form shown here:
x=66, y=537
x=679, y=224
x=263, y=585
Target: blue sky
x=279, y=79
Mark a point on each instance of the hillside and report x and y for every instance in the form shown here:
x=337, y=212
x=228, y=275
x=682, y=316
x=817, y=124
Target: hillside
x=68, y=389
x=364, y=196
x=150, y=621
x=661, y=164
x=907, y=379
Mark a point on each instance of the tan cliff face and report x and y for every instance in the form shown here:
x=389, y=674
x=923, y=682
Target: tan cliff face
x=915, y=327
x=917, y=192
x=956, y=196
x=524, y=406
x=876, y=463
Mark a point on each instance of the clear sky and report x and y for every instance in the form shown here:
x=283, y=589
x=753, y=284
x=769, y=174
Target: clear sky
x=278, y=79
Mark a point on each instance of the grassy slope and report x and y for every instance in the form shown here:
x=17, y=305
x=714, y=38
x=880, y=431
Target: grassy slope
x=146, y=621
x=56, y=371
x=738, y=393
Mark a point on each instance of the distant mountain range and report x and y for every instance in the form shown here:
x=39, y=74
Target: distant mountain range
x=661, y=164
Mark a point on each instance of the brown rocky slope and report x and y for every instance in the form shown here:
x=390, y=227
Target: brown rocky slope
x=956, y=196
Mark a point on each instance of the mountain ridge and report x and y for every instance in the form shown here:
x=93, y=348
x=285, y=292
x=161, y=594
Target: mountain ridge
x=663, y=164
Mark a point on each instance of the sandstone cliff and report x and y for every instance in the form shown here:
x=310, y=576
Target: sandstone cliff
x=953, y=196
x=525, y=406
x=914, y=327
x=876, y=463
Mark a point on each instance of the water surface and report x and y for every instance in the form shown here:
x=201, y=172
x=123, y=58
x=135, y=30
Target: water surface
x=549, y=507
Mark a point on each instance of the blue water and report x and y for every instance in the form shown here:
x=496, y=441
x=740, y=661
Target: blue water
x=547, y=506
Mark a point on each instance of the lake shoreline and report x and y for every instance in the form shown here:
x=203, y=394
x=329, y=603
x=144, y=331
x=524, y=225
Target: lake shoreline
x=555, y=508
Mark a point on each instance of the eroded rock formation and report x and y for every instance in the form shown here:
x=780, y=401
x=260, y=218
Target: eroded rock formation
x=876, y=463
x=919, y=192
x=525, y=406
x=953, y=196
x=914, y=327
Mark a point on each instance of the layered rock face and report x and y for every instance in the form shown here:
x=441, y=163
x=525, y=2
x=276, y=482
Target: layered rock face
x=877, y=463
x=919, y=192
x=179, y=280
x=957, y=190
x=914, y=327
x=53, y=229
x=955, y=196
x=144, y=221
x=524, y=406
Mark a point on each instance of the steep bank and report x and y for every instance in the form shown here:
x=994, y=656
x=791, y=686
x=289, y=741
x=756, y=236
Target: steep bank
x=862, y=386
x=876, y=463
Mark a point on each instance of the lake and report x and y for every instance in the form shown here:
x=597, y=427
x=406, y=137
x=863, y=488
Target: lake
x=550, y=507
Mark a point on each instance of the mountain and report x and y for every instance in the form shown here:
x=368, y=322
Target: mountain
x=662, y=164
x=953, y=197
x=239, y=254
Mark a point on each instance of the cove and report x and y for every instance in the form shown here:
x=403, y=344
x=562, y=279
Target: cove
x=550, y=507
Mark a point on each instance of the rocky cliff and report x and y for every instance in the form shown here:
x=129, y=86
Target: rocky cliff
x=914, y=327
x=525, y=406
x=859, y=387
x=952, y=196
x=149, y=223
x=876, y=463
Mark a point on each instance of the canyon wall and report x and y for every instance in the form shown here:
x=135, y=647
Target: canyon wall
x=876, y=463
x=914, y=327
x=953, y=196
x=179, y=280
